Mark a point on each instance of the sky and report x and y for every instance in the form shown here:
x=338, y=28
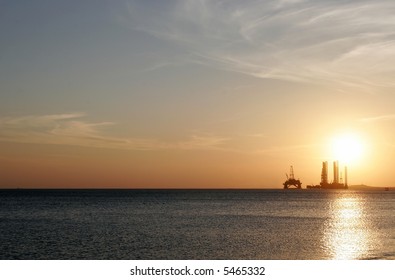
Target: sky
x=194, y=93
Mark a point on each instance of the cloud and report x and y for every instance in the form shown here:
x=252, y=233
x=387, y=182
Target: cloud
x=281, y=149
x=202, y=142
x=71, y=129
x=348, y=43
x=378, y=118
x=258, y=135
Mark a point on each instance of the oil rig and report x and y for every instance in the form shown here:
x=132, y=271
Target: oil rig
x=291, y=181
x=336, y=183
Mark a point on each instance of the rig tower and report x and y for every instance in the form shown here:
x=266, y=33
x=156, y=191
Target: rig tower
x=336, y=172
x=324, y=173
x=345, y=177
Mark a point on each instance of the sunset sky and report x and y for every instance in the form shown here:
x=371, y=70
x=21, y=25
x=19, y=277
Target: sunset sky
x=194, y=93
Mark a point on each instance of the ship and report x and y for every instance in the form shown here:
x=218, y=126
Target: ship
x=336, y=183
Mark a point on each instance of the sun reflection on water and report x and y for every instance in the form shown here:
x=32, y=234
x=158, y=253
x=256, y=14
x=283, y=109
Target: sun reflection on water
x=347, y=233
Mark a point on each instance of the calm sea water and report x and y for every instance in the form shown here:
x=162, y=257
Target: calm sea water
x=197, y=224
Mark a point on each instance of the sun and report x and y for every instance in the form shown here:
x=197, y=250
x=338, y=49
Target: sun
x=347, y=148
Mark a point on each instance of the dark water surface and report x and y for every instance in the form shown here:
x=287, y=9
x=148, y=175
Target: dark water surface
x=197, y=224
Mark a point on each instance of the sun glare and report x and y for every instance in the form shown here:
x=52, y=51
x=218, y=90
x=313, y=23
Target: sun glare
x=347, y=148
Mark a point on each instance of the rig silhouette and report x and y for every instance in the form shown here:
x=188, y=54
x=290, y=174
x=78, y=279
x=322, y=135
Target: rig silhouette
x=291, y=181
x=337, y=182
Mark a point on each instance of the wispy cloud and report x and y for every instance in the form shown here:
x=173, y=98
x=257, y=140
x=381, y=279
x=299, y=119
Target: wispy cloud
x=378, y=118
x=350, y=43
x=258, y=135
x=72, y=129
x=281, y=149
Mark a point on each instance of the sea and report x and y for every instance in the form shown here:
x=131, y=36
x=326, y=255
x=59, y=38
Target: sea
x=270, y=224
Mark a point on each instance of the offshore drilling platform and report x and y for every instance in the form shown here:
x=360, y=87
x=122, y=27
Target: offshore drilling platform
x=337, y=182
x=291, y=181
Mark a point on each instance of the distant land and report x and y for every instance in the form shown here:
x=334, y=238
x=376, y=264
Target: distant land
x=364, y=187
